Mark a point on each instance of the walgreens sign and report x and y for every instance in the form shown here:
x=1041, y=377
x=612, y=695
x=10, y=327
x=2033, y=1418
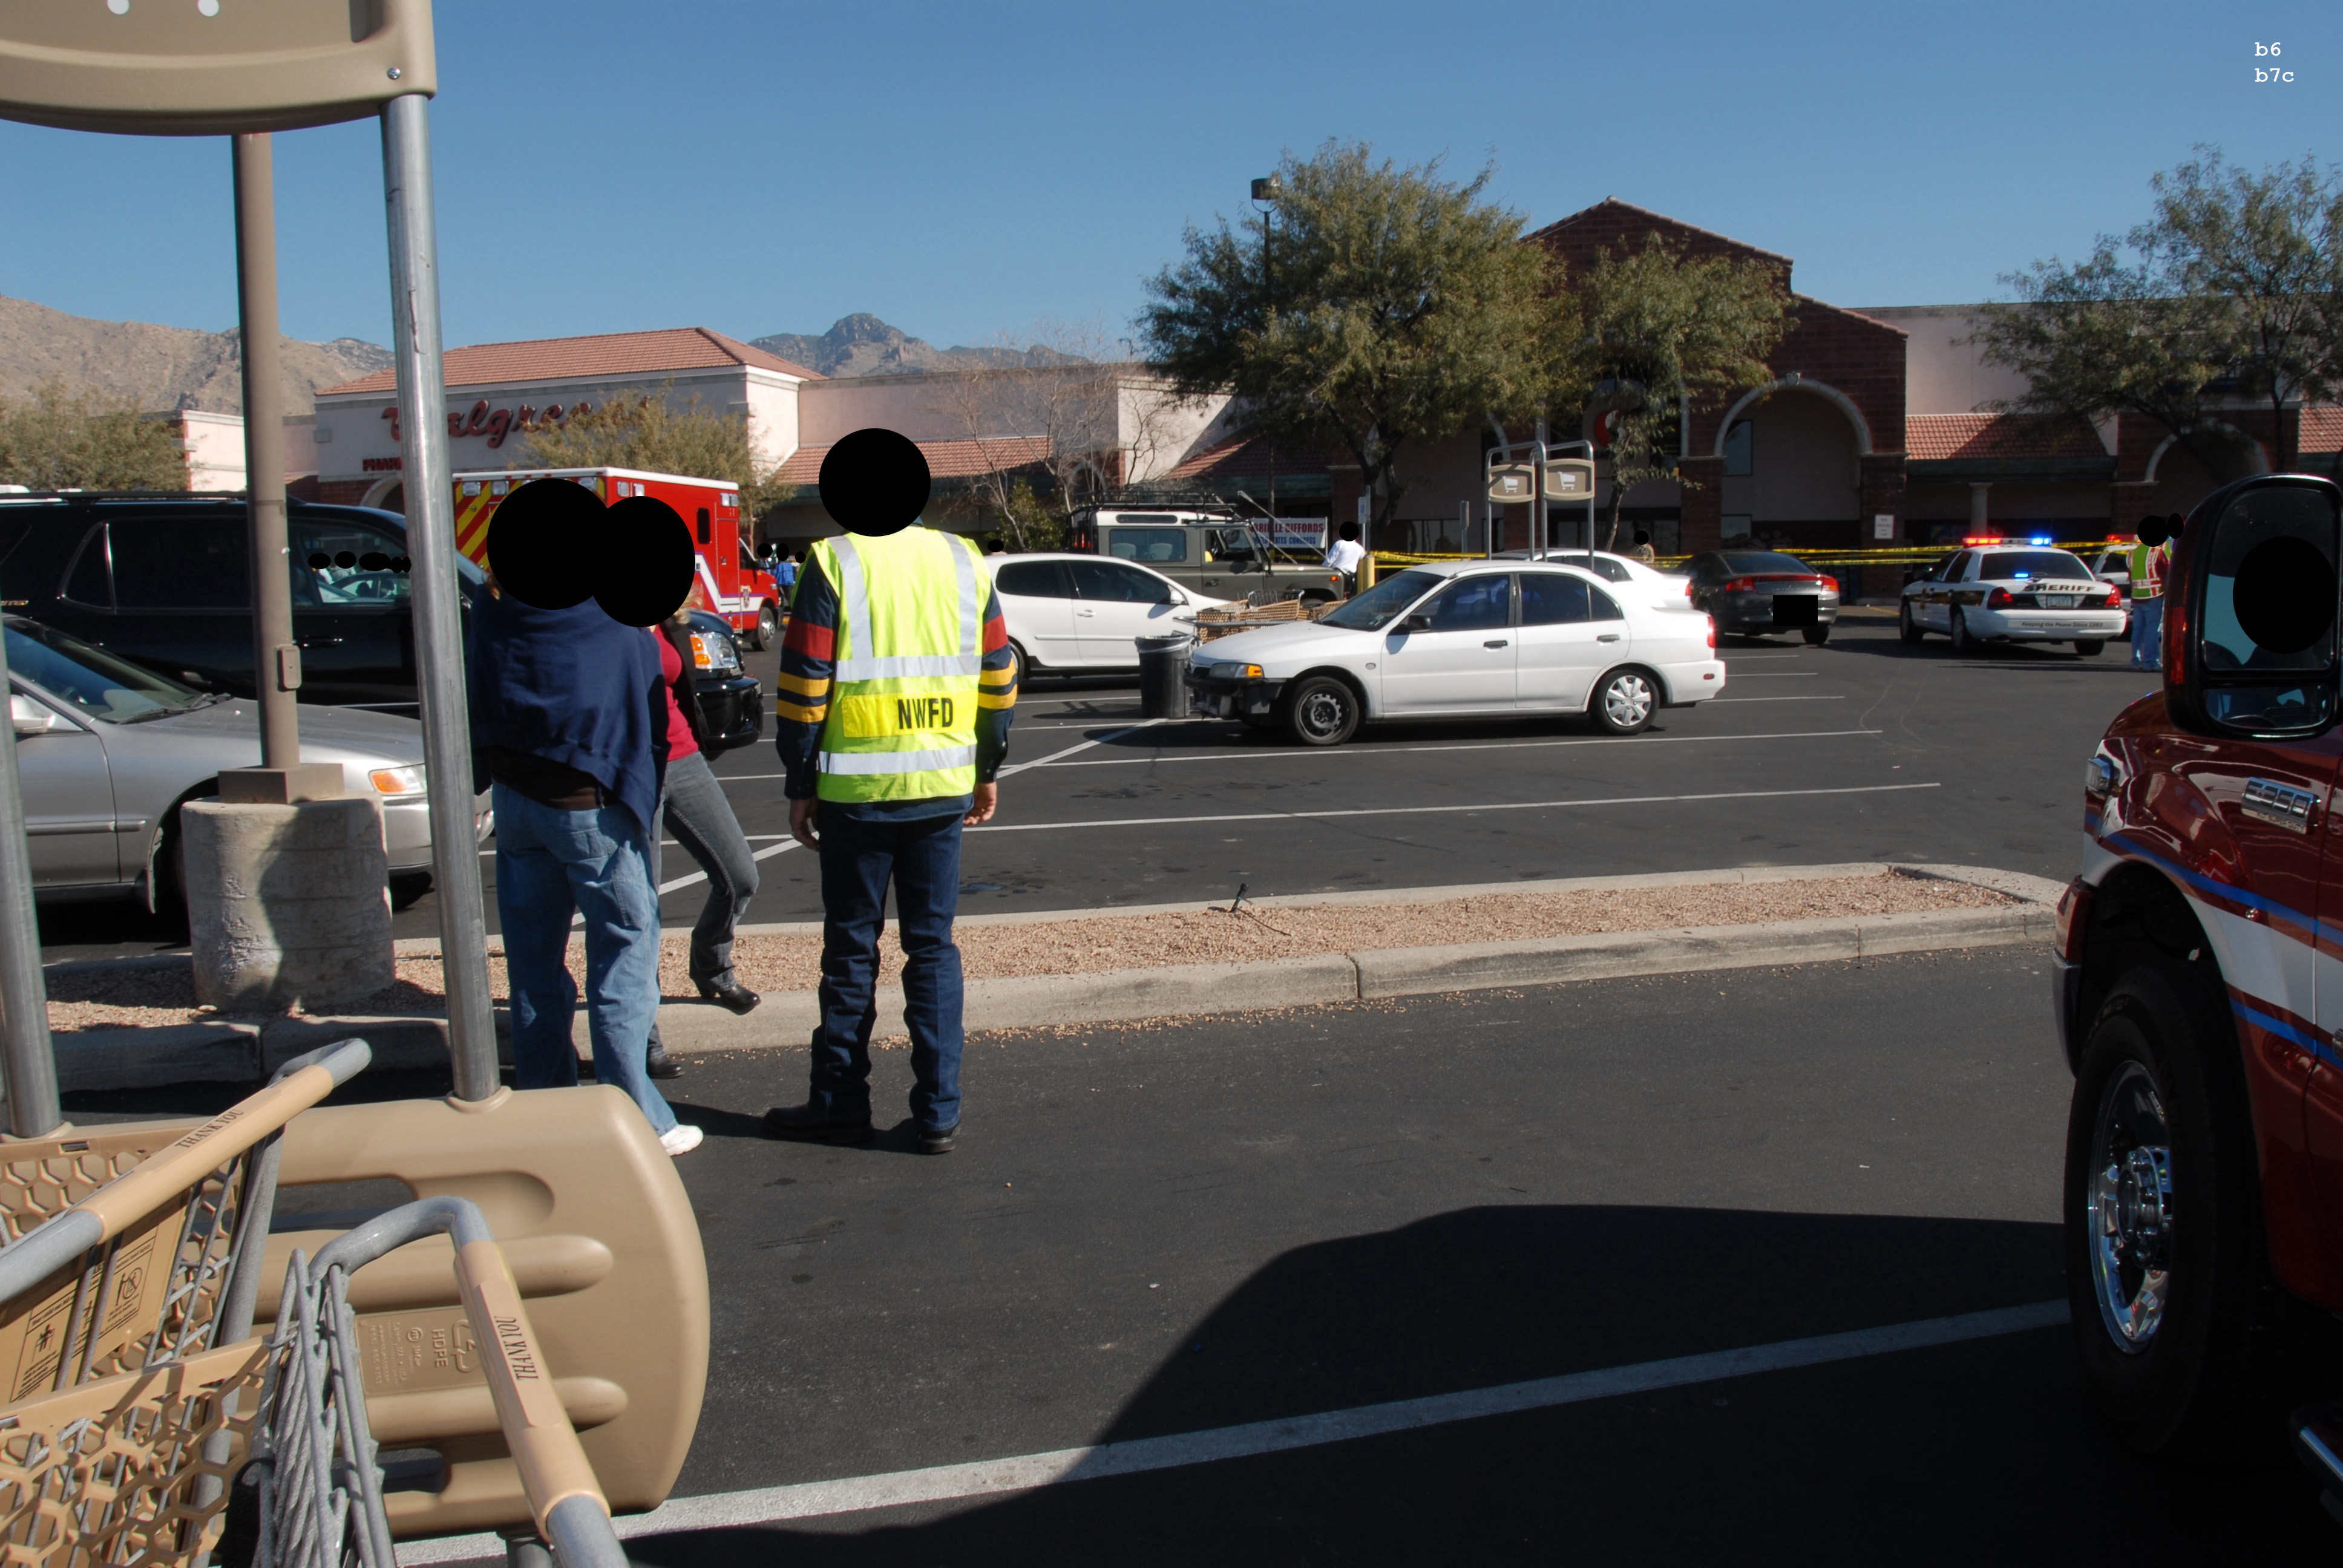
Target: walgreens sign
x=497, y=424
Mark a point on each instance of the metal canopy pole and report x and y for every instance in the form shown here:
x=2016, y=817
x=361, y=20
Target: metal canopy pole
x=438, y=600
x=30, y=1062
x=276, y=659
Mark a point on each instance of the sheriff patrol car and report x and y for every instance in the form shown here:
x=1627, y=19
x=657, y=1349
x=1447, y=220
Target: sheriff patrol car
x=2199, y=987
x=1997, y=591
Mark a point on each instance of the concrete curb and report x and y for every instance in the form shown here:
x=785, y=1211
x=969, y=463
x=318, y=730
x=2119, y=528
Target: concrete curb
x=1186, y=990
x=242, y=1053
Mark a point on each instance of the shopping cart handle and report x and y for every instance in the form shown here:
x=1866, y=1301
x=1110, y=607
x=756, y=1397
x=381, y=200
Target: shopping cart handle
x=579, y=1530
x=138, y=1193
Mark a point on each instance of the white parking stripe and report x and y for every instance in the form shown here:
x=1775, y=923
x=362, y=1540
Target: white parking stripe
x=1443, y=810
x=1024, y=1472
x=1303, y=752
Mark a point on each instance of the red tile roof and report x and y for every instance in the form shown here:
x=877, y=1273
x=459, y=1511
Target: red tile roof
x=606, y=354
x=2322, y=428
x=1941, y=438
x=1246, y=458
x=946, y=459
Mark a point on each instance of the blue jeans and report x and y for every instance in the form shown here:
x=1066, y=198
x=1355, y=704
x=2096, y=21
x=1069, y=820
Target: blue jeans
x=2147, y=633
x=921, y=855
x=549, y=863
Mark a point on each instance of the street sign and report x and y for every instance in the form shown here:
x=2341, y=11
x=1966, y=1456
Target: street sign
x=210, y=67
x=1512, y=482
x=1569, y=479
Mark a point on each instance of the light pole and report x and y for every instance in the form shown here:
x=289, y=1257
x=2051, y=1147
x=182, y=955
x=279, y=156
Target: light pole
x=1266, y=191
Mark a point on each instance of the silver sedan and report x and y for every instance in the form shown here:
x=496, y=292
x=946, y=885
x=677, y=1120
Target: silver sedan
x=109, y=752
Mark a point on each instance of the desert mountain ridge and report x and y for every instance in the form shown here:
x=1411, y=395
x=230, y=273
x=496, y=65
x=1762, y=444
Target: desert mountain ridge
x=185, y=368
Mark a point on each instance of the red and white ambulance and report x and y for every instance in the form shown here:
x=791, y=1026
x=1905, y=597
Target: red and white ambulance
x=731, y=584
x=2199, y=983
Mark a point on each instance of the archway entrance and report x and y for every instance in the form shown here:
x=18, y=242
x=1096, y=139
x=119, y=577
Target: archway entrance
x=1792, y=476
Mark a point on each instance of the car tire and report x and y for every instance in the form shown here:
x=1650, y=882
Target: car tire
x=1624, y=701
x=1964, y=644
x=1019, y=663
x=1815, y=636
x=1318, y=711
x=768, y=629
x=2167, y=1275
x=2090, y=647
x=1906, y=626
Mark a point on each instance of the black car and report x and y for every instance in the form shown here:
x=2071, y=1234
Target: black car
x=1758, y=593
x=164, y=580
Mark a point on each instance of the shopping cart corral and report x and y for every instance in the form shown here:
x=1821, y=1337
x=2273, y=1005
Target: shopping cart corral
x=141, y=1402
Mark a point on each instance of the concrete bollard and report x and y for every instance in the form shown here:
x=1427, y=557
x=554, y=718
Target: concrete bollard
x=288, y=905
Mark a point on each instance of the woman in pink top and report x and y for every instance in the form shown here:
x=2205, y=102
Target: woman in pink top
x=695, y=811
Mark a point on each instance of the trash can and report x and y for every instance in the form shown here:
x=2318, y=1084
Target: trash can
x=1163, y=675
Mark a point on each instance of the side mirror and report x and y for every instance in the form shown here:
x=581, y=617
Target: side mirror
x=27, y=716
x=1175, y=596
x=1416, y=623
x=2251, y=610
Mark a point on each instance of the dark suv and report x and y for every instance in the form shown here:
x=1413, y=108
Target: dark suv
x=166, y=580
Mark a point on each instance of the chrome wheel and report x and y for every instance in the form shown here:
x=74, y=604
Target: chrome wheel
x=1628, y=702
x=2130, y=1208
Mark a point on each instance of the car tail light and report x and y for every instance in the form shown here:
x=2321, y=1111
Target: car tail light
x=1999, y=598
x=2072, y=918
x=1829, y=583
x=1711, y=631
x=1741, y=585
x=2114, y=599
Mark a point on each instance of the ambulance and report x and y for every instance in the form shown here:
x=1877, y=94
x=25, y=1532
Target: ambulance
x=730, y=583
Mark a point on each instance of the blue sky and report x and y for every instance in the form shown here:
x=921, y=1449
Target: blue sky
x=966, y=171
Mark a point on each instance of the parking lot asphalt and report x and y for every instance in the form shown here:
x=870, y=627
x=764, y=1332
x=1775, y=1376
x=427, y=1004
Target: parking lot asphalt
x=1865, y=748
x=1180, y=1228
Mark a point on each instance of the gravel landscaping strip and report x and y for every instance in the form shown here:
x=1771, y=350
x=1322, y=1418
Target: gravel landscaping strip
x=1086, y=943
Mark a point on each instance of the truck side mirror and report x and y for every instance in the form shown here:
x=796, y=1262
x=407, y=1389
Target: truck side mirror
x=2251, y=610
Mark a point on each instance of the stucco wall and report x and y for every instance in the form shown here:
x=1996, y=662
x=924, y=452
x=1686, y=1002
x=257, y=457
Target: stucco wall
x=1802, y=462
x=1939, y=377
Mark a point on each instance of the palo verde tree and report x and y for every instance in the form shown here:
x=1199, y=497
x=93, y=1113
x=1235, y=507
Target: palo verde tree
x=1641, y=335
x=2230, y=288
x=1390, y=307
x=58, y=439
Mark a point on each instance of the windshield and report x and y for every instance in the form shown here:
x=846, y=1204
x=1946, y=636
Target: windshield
x=2002, y=565
x=98, y=684
x=1381, y=604
x=1745, y=562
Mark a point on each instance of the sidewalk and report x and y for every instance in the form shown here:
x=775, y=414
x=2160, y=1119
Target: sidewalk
x=132, y=1023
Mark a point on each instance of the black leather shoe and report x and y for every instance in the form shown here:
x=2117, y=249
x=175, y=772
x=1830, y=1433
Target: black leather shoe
x=810, y=1124
x=938, y=1142
x=737, y=997
x=658, y=1063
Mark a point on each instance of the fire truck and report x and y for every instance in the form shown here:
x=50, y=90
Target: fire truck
x=2199, y=984
x=730, y=582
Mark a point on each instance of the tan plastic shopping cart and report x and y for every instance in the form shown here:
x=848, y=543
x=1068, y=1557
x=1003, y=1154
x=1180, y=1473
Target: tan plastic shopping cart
x=135, y=1391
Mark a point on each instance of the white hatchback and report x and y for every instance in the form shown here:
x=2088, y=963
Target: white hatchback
x=1066, y=612
x=1457, y=638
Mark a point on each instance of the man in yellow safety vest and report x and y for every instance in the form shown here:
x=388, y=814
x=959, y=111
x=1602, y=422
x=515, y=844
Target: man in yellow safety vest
x=896, y=690
x=2150, y=551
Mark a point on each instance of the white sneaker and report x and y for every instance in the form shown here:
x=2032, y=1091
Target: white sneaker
x=681, y=1138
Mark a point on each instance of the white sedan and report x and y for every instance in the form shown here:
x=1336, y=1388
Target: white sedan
x=1069, y=613
x=2016, y=594
x=1664, y=591
x=1486, y=638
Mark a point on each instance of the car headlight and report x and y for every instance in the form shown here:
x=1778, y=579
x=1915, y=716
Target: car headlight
x=397, y=782
x=1238, y=671
x=711, y=651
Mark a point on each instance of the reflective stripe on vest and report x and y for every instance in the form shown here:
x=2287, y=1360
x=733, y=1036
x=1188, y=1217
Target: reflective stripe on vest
x=854, y=604
x=901, y=724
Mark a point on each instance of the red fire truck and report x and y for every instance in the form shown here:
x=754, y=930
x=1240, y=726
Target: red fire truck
x=731, y=584
x=2199, y=993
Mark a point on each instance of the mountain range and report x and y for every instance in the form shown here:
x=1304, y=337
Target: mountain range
x=862, y=344
x=184, y=367
x=162, y=367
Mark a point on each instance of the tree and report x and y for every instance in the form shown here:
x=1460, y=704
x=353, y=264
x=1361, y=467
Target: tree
x=643, y=430
x=1391, y=306
x=58, y=439
x=1642, y=333
x=2230, y=288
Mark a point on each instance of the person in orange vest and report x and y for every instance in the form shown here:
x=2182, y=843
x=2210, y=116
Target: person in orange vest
x=2150, y=554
